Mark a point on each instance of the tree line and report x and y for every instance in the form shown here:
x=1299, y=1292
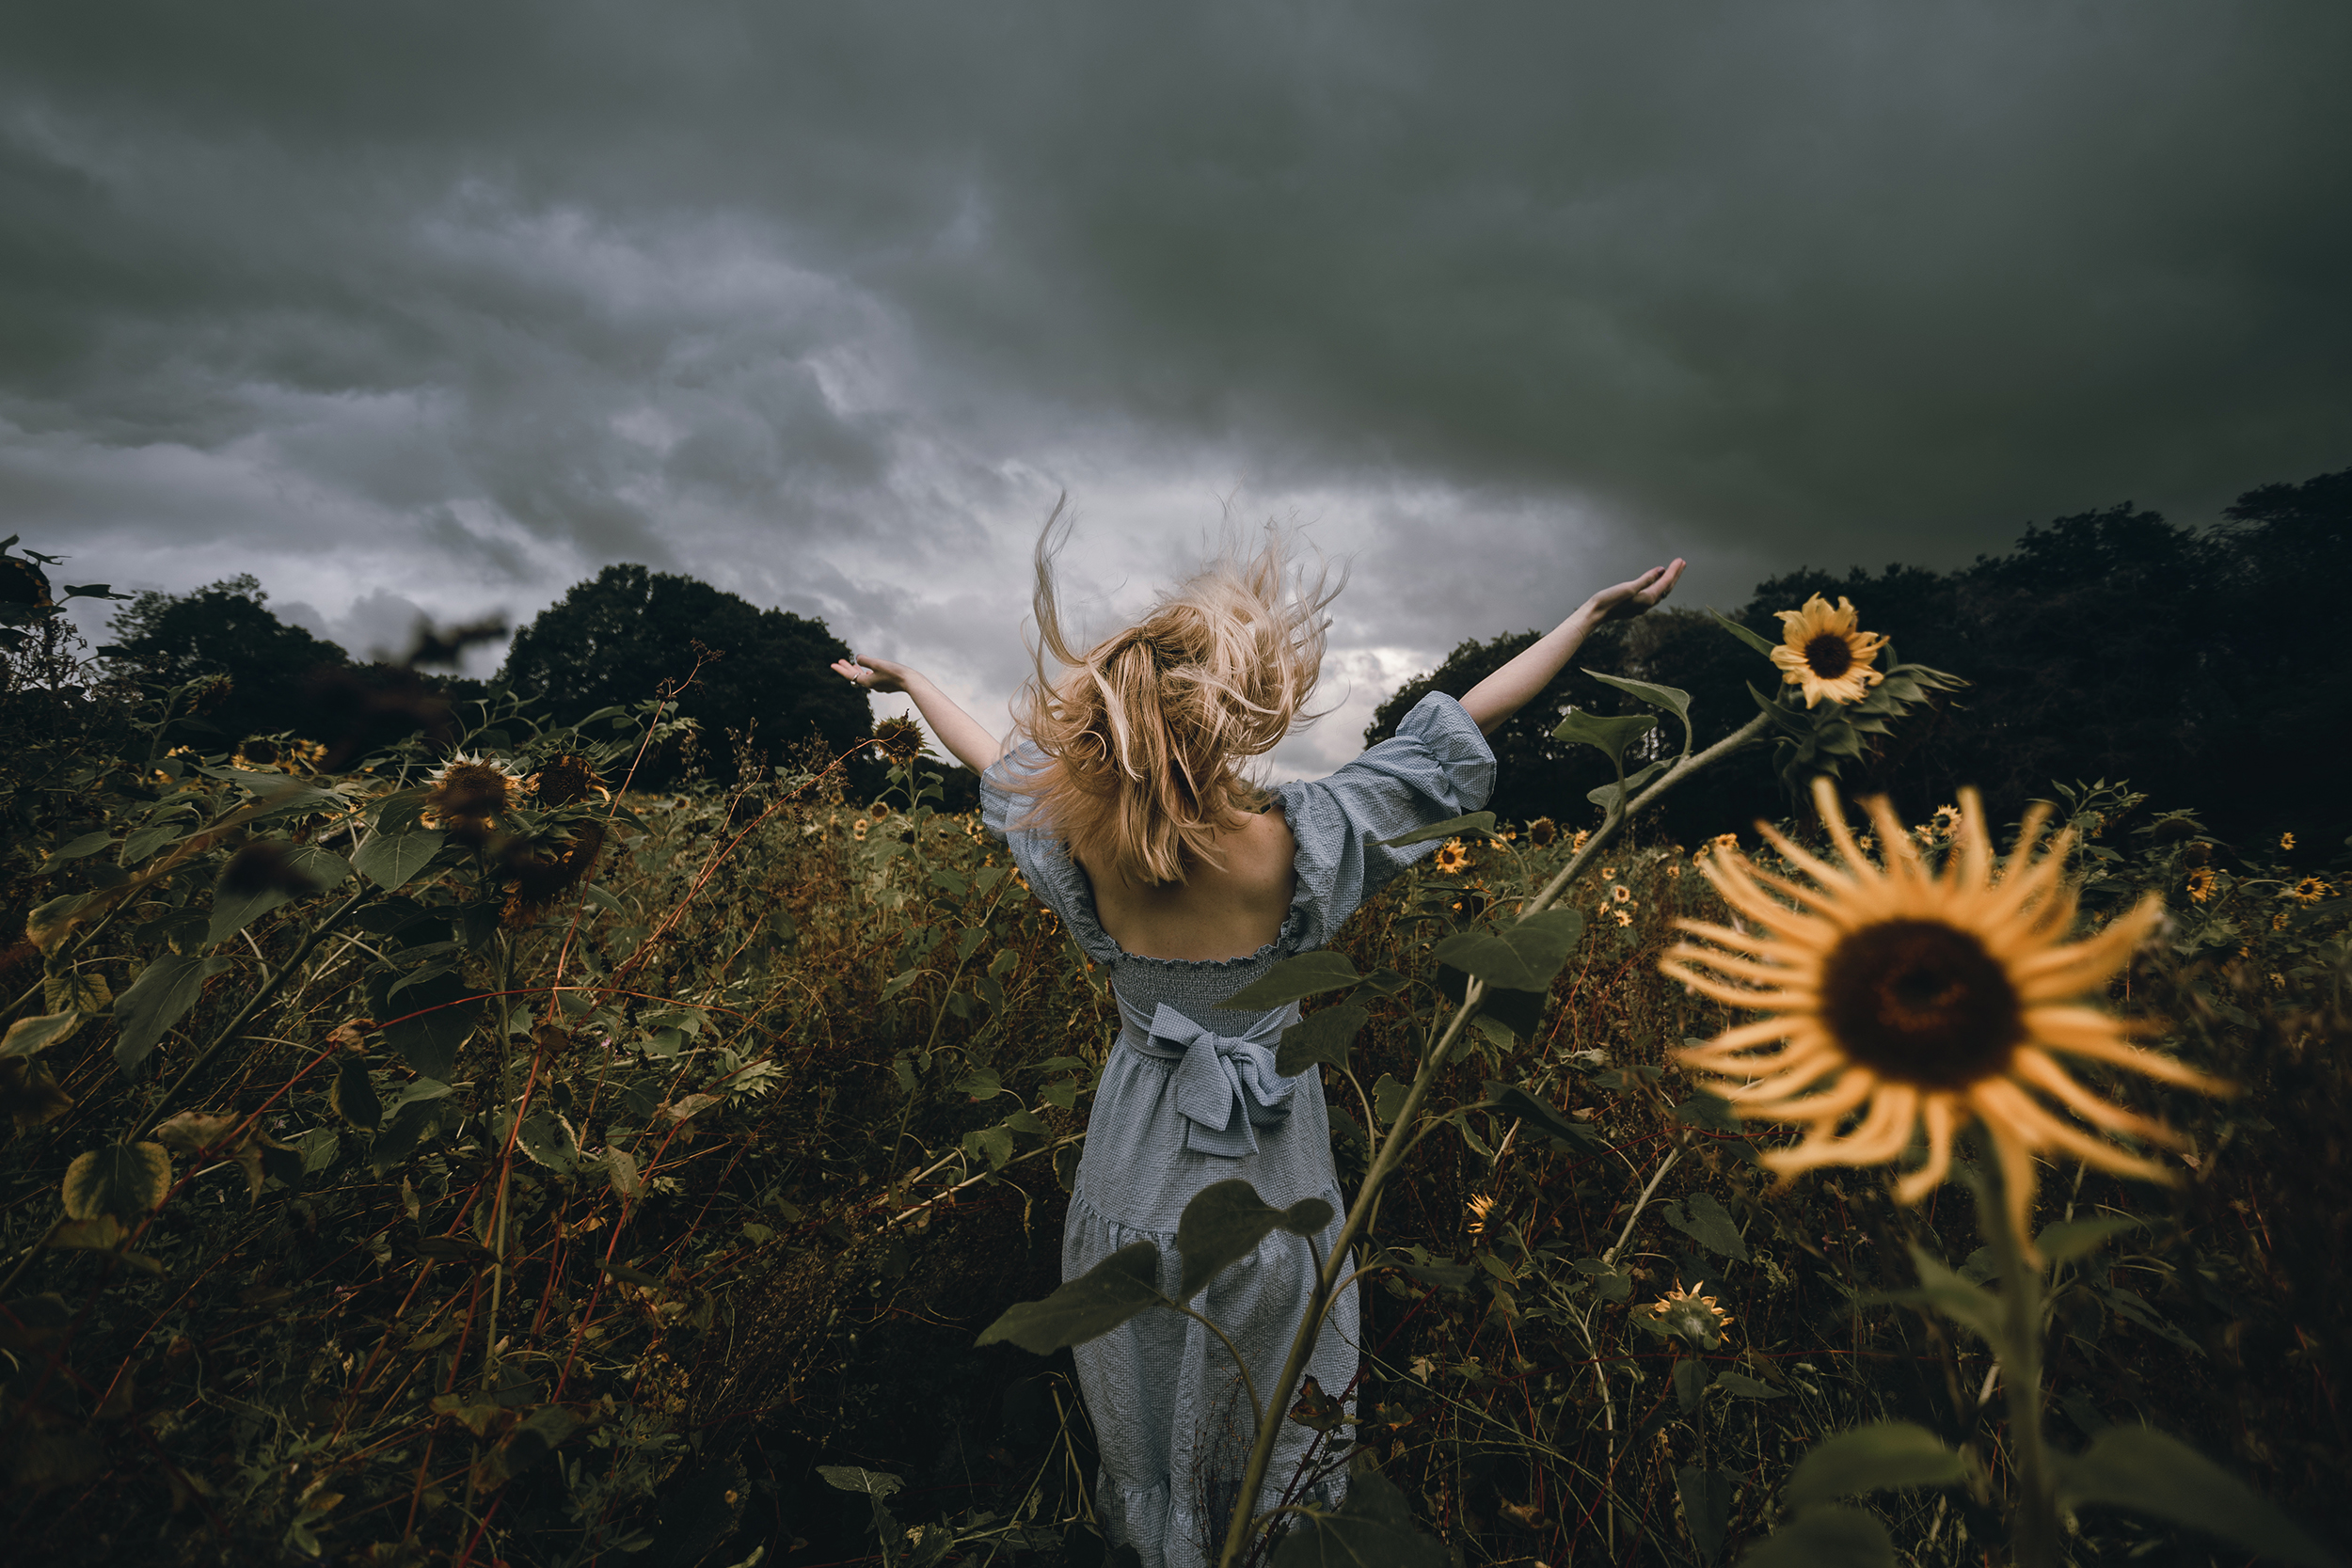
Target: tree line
x=2204, y=665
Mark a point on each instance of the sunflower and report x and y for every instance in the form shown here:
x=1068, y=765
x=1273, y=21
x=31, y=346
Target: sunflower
x=1577, y=842
x=1541, y=831
x=2286, y=841
x=1608, y=873
x=1480, y=1206
x=1723, y=841
x=561, y=781
x=1624, y=917
x=1688, y=1317
x=1452, y=858
x=2200, y=883
x=899, y=739
x=2311, y=890
x=1822, y=654
x=1621, y=894
x=857, y=829
x=1900, y=998
x=467, y=792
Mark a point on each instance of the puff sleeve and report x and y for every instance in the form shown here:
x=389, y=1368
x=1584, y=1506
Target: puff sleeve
x=1437, y=766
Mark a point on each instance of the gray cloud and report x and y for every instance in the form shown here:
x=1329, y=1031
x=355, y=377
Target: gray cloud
x=457, y=306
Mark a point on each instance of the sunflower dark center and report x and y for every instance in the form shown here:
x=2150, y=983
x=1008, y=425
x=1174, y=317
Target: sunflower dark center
x=1829, y=656
x=1921, y=1002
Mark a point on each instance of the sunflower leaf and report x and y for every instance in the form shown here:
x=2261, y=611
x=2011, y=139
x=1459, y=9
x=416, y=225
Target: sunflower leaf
x=2145, y=1471
x=1609, y=736
x=1478, y=822
x=1752, y=639
x=1675, y=702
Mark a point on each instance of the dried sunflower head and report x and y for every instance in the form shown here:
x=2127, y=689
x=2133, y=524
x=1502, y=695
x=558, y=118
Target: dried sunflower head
x=562, y=781
x=468, y=794
x=1695, y=1319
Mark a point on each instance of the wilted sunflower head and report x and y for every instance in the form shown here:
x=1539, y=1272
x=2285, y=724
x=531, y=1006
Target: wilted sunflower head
x=899, y=739
x=471, y=791
x=256, y=752
x=1822, y=654
x=1541, y=831
x=1452, y=858
x=1894, y=999
x=1695, y=1319
x=265, y=866
x=562, y=781
x=538, y=870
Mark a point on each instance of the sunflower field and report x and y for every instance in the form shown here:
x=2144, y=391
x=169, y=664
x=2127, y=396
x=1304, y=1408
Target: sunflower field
x=457, y=1156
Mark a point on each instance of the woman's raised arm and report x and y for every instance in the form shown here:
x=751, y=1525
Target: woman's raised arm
x=957, y=730
x=1513, y=687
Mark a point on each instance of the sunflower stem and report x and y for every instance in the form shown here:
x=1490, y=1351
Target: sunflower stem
x=2035, y=1534
x=1244, y=1523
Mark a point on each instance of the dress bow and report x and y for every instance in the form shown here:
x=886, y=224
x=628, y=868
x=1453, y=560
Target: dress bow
x=1226, y=1085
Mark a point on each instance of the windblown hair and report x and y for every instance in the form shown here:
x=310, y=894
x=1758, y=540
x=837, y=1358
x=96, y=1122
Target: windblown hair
x=1143, y=731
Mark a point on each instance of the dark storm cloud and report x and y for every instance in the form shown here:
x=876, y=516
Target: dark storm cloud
x=825, y=305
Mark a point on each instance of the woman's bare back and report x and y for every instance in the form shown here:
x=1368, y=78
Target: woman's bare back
x=1226, y=911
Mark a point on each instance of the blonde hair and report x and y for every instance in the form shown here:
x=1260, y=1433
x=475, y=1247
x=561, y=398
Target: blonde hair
x=1142, y=731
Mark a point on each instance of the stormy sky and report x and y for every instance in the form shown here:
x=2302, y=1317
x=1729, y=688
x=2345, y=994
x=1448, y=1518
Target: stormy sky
x=443, y=306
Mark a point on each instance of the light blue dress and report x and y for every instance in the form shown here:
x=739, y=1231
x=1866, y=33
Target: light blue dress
x=1190, y=1097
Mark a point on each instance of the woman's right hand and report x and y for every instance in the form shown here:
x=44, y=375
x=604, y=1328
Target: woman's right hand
x=1629, y=600
x=875, y=674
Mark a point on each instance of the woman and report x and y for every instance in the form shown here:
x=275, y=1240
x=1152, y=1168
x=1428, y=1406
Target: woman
x=1124, y=808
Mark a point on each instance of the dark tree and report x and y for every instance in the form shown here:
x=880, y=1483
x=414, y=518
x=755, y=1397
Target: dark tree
x=618, y=638
x=226, y=628
x=2204, y=667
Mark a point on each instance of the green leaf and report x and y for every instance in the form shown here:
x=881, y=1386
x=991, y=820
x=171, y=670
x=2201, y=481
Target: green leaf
x=125, y=1181
x=993, y=1144
x=1825, y=1538
x=1225, y=1222
x=1512, y=1101
x=1972, y=1307
x=1742, y=633
x=88, y=844
x=2145, y=1471
x=548, y=1142
x=1478, y=822
x=29, y=1035
x=1371, y=1528
x=1322, y=1037
x=1610, y=737
x=1607, y=796
x=620, y=1168
x=391, y=860
x=847, y=1478
x=1706, y=1222
x=353, y=1095
x=1387, y=1098
x=437, y=1016
x=1674, y=702
x=1873, y=1458
x=1523, y=956
x=158, y=999
x=409, y=1126
x=1709, y=1112
x=1747, y=1387
x=897, y=983
x=1690, y=1382
x=980, y=1082
x=1087, y=1308
x=1705, y=1507
x=533, y=1437
x=2071, y=1239
x=1304, y=976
